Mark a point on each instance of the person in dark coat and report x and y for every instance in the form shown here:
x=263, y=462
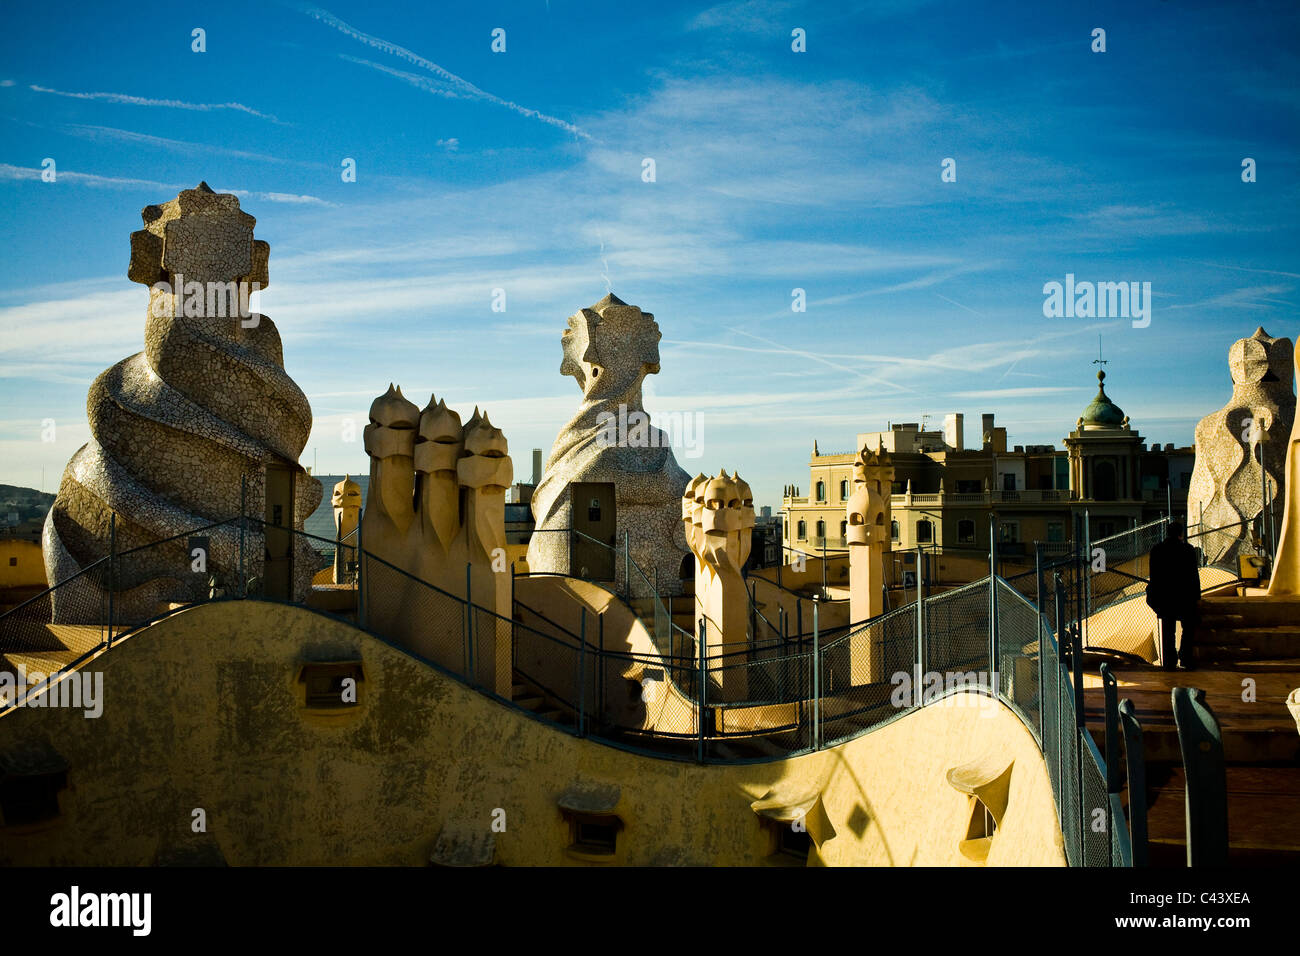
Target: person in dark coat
x=1174, y=593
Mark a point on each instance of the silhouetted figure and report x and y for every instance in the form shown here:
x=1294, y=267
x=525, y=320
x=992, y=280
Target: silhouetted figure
x=1174, y=593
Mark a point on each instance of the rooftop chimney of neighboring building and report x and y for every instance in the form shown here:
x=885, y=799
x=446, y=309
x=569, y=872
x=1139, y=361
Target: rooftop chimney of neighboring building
x=954, y=432
x=537, y=467
x=986, y=431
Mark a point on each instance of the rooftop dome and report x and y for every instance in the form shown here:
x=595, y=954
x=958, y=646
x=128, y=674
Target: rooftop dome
x=1102, y=411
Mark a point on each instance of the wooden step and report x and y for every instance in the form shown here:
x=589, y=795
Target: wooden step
x=1263, y=807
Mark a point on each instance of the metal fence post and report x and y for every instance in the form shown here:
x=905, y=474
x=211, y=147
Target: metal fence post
x=243, y=510
x=582, y=671
x=1060, y=718
x=361, y=576
x=1042, y=644
x=1109, y=690
x=918, y=679
x=112, y=570
x=701, y=695
x=817, y=679
x=1135, y=760
x=1086, y=570
x=1079, y=729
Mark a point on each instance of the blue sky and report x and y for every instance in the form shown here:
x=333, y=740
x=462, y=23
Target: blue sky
x=775, y=170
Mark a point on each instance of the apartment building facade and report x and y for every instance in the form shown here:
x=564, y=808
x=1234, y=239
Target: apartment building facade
x=944, y=492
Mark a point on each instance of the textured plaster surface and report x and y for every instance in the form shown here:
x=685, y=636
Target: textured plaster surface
x=204, y=710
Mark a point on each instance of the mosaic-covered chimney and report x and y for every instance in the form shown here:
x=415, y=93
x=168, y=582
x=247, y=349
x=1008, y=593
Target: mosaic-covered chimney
x=175, y=428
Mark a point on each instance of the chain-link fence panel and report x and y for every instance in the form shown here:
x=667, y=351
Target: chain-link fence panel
x=1018, y=663
x=1071, y=792
x=1051, y=703
x=957, y=632
x=867, y=676
x=414, y=615
x=1095, y=807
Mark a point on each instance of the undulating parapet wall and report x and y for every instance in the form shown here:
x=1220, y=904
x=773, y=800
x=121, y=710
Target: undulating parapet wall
x=420, y=768
x=175, y=427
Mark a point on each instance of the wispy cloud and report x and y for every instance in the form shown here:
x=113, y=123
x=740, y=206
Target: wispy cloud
x=24, y=173
x=129, y=100
x=172, y=145
x=442, y=83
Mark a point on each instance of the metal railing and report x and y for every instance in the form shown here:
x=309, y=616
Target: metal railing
x=688, y=702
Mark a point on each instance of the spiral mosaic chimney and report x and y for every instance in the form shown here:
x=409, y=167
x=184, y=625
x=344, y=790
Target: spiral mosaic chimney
x=175, y=427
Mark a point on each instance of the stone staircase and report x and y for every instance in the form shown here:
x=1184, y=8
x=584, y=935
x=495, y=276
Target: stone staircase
x=1237, y=629
x=1247, y=661
x=50, y=648
x=526, y=695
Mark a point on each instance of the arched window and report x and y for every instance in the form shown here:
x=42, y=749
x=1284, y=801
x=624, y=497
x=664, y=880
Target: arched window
x=844, y=490
x=924, y=532
x=893, y=529
x=844, y=531
x=821, y=491
x=821, y=528
x=803, y=530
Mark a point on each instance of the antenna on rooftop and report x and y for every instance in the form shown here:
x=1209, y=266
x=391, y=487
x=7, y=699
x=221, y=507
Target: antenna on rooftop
x=1099, y=360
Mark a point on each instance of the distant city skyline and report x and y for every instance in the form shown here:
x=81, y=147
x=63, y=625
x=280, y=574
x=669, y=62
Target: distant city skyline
x=780, y=177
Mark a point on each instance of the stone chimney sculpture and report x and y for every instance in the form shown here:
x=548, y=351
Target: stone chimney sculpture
x=718, y=520
x=435, y=508
x=1225, y=488
x=868, y=515
x=609, y=349
x=175, y=427
x=1286, y=566
x=346, y=501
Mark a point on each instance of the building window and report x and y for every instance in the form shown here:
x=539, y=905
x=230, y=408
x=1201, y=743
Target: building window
x=31, y=797
x=595, y=836
x=331, y=685
x=969, y=486
x=1008, y=482
x=844, y=531
x=1055, y=531
x=793, y=843
x=898, y=487
x=821, y=529
x=965, y=531
x=803, y=530
x=924, y=532
x=844, y=490
x=893, y=529
x=1009, y=531
x=13, y=562
x=821, y=491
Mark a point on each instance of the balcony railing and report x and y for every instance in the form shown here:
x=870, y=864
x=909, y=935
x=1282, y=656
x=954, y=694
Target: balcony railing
x=954, y=498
